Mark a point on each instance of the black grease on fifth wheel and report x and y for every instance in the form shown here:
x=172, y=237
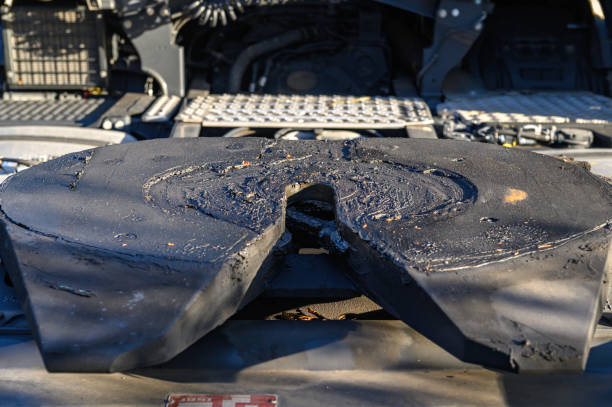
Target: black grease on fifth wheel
x=125, y=255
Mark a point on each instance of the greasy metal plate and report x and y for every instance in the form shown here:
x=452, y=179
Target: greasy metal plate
x=306, y=112
x=540, y=108
x=125, y=255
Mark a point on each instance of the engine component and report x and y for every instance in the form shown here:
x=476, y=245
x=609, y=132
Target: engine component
x=306, y=112
x=115, y=272
x=148, y=26
x=250, y=53
x=304, y=48
x=519, y=49
x=54, y=48
x=457, y=26
x=353, y=69
x=220, y=12
x=513, y=135
x=527, y=118
x=165, y=60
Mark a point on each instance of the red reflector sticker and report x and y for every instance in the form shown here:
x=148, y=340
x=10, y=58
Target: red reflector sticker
x=221, y=400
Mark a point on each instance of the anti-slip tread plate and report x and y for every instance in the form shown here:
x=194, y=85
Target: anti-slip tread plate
x=561, y=108
x=69, y=110
x=307, y=112
x=125, y=255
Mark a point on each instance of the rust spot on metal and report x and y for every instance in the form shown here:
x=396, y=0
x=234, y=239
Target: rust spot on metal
x=515, y=195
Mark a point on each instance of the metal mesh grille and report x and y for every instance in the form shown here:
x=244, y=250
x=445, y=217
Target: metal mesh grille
x=50, y=48
x=272, y=111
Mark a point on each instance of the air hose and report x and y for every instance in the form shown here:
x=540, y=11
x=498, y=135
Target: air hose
x=256, y=50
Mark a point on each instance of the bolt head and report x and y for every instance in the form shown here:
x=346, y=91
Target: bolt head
x=442, y=13
x=107, y=124
x=455, y=12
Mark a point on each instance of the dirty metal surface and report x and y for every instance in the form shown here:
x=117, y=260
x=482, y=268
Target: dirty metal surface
x=331, y=363
x=125, y=255
x=306, y=112
x=537, y=108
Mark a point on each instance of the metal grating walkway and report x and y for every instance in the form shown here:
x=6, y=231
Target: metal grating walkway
x=583, y=108
x=72, y=111
x=307, y=112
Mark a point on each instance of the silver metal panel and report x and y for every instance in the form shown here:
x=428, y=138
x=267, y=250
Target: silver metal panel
x=543, y=107
x=162, y=109
x=72, y=110
x=306, y=112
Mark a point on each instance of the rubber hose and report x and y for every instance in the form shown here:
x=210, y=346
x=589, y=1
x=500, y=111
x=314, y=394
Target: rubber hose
x=261, y=48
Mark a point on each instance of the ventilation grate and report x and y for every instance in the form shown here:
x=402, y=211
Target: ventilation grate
x=53, y=48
